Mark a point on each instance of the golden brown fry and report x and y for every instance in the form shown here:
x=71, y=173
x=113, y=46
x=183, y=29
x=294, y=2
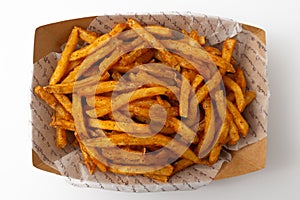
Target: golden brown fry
x=184, y=97
x=139, y=94
x=233, y=134
x=60, y=137
x=60, y=133
x=91, y=166
x=100, y=88
x=115, y=75
x=132, y=157
x=238, y=94
x=71, y=77
x=184, y=163
x=135, y=128
x=209, y=137
x=145, y=58
x=86, y=35
x=99, y=111
x=98, y=43
x=211, y=84
x=213, y=50
x=156, y=115
x=62, y=65
x=166, y=55
x=223, y=133
x=64, y=101
x=249, y=97
x=194, y=35
x=220, y=100
x=141, y=169
x=180, y=128
x=72, y=65
x=64, y=124
x=239, y=120
x=133, y=55
x=223, y=64
x=81, y=85
x=196, y=82
x=99, y=160
x=160, y=31
x=240, y=79
x=160, y=178
x=158, y=140
x=52, y=102
x=201, y=40
x=123, y=69
x=181, y=47
x=227, y=49
x=98, y=101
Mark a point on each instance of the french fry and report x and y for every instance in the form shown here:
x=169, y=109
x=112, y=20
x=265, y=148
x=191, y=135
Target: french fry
x=223, y=133
x=239, y=120
x=64, y=101
x=64, y=124
x=202, y=40
x=68, y=88
x=228, y=48
x=160, y=178
x=52, y=102
x=166, y=55
x=196, y=82
x=203, y=146
x=97, y=43
x=86, y=35
x=60, y=137
x=157, y=140
x=240, y=79
x=223, y=64
x=135, y=128
x=187, y=134
x=194, y=35
x=130, y=157
x=249, y=97
x=203, y=91
x=91, y=166
x=233, y=134
x=132, y=56
x=62, y=65
x=184, y=163
x=184, y=97
x=160, y=31
x=116, y=76
x=238, y=94
x=141, y=169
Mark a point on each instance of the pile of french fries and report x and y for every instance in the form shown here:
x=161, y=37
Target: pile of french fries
x=202, y=107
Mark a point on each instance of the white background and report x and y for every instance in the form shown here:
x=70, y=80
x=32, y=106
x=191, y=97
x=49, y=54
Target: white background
x=280, y=179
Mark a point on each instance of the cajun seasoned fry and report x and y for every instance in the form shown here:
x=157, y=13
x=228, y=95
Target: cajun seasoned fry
x=62, y=65
x=239, y=120
x=52, y=102
x=157, y=140
x=99, y=42
x=238, y=94
x=249, y=97
x=240, y=79
x=86, y=35
x=166, y=55
x=233, y=134
x=228, y=48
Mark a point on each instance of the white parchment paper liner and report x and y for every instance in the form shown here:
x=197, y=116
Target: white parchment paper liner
x=250, y=52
